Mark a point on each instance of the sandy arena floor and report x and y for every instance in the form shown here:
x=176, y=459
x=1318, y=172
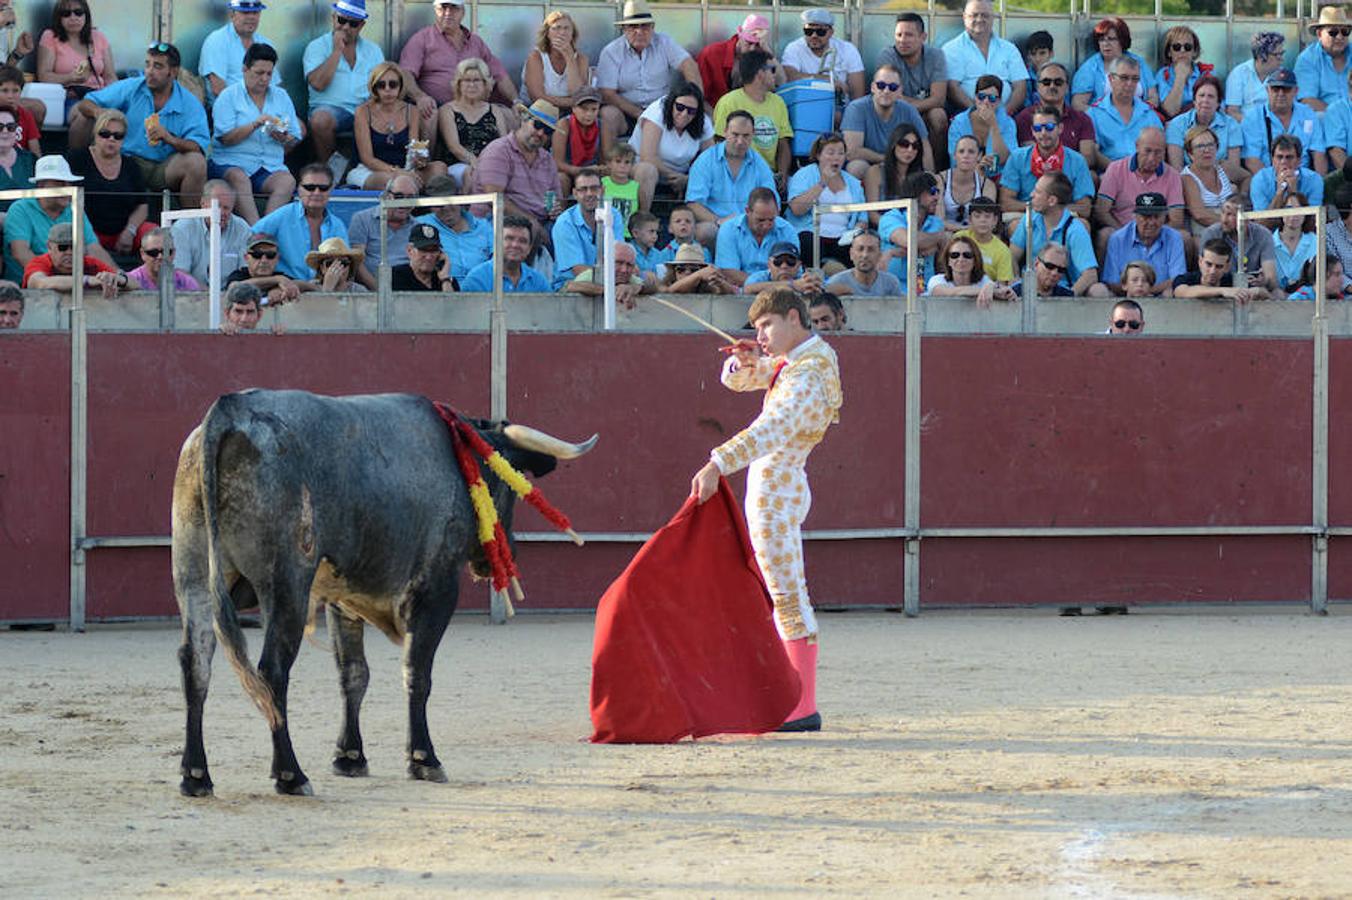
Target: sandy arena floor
x=1165, y=754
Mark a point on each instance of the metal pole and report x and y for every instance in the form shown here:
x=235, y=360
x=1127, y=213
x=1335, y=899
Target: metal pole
x=1319, y=470
x=497, y=326
x=383, y=271
x=79, y=416
x=214, y=264
x=605, y=255
x=816, y=237
x=911, y=453
x=1028, y=315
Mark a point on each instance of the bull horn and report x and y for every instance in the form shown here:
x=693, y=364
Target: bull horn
x=528, y=438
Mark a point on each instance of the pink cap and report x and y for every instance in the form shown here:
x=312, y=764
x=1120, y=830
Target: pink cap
x=755, y=28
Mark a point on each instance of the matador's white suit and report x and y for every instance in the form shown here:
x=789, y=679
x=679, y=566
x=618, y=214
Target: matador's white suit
x=802, y=399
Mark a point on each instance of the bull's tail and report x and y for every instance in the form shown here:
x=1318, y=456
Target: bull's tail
x=219, y=423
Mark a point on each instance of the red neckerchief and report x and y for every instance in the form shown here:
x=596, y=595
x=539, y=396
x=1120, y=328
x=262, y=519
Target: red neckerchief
x=1054, y=163
x=583, y=142
x=778, y=368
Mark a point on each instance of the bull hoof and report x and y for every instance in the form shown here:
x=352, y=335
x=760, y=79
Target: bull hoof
x=423, y=772
x=349, y=766
x=199, y=786
x=294, y=785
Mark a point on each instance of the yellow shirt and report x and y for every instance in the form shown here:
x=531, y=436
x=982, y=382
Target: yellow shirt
x=994, y=256
x=771, y=116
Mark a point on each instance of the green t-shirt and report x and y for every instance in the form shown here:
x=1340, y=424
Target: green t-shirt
x=624, y=197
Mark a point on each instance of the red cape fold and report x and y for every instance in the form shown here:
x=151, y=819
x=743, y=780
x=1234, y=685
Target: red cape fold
x=685, y=642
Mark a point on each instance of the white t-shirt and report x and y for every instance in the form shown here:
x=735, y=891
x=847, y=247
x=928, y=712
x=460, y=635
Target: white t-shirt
x=941, y=280
x=833, y=224
x=841, y=59
x=676, y=150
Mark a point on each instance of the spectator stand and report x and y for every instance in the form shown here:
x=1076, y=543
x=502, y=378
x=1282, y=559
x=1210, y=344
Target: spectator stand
x=213, y=217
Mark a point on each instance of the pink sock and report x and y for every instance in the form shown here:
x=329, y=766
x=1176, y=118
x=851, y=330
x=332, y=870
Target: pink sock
x=803, y=656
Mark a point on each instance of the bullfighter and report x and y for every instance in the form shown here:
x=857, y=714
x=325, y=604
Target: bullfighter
x=801, y=379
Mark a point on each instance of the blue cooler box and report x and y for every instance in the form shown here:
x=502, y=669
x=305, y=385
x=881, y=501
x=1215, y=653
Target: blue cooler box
x=812, y=110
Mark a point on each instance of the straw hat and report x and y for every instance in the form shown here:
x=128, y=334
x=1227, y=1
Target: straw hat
x=332, y=248
x=541, y=111
x=636, y=12
x=689, y=254
x=1331, y=16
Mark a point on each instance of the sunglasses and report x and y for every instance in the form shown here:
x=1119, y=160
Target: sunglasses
x=350, y=23
x=388, y=85
x=63, y=247
x=399, y=195
x=819, y=31
x=1045, y=126
x=960, y=254
x=1127, y=323
x=1109, y=37
x=541, y=126
x=108, y=135
x=1339, y=32
x=311, y=186
x=685, y=108
x=887, y=85
x=68, y=13
x=1051, y=82
x=785, y=260
x=153, y=252
x=160, y=47
x=989, y=98
x=1281, y=87
x=1209, y=145
x=9, y=126
x=1054, y=267
x=909, y=145
x=1181, y=48
x=263, y=254
x=934, y=191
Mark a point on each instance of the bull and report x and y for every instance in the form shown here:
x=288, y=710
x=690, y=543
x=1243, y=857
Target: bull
x=288, y=501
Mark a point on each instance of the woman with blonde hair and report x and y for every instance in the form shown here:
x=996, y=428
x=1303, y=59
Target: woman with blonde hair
x=383, y=128
x=1179, y=69
x=555, y=68
x=964, y=274
x=114, y=184
x=469, y=123
x=1205, y=184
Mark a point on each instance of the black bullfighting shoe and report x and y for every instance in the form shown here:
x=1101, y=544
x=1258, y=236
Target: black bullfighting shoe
x=806, y=723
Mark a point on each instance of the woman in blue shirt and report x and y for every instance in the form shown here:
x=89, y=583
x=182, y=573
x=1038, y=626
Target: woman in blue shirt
x=1180, y=51
x=824, y=182
x=1112, y=37
x=1294, y=243
x=255, y=124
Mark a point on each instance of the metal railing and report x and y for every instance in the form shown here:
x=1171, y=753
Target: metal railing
x=213, y=216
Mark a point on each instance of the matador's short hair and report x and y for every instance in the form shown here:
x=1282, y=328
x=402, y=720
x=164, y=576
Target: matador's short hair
x=778, y=300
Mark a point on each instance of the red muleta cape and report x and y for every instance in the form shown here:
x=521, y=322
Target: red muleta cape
x=685, y=641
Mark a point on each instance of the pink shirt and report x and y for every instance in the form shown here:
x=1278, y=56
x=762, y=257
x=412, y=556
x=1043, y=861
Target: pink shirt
x=524, y=183
x=1122, y=183
x=432, y=59
x=65, y=57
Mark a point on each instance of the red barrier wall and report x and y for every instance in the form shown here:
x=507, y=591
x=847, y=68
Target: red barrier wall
x=1017, y=431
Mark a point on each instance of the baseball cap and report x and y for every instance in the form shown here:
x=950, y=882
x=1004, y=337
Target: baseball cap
x=784, y=248
x=1282, y=77
x=260, y=240
x=1151, y=204
x=586, y=94
x=424, y=237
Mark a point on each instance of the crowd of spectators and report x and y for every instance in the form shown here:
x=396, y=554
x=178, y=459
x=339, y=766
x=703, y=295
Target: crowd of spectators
x=1115, y=179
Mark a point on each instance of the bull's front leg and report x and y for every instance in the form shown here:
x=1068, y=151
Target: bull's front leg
x=353, y=676
x=431, y=610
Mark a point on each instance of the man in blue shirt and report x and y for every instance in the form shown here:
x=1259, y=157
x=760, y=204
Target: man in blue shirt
x=465, y=239
x=304, y=223
x=337, y=67
x=744, y=242
x=1273, y=187
x=221, y=61
x=1120, y=117
x=171, y=147
x=976, y=52
x=1053, y=223
x=867, y=123
x=1046, y=154
x=1338, y=127
x=30, y=220
x=517, y=277
x=1321, y=68
x=723, y=175
x=1146, y=239
x=575, y=230
x=1282, y=115
x=922, y=187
